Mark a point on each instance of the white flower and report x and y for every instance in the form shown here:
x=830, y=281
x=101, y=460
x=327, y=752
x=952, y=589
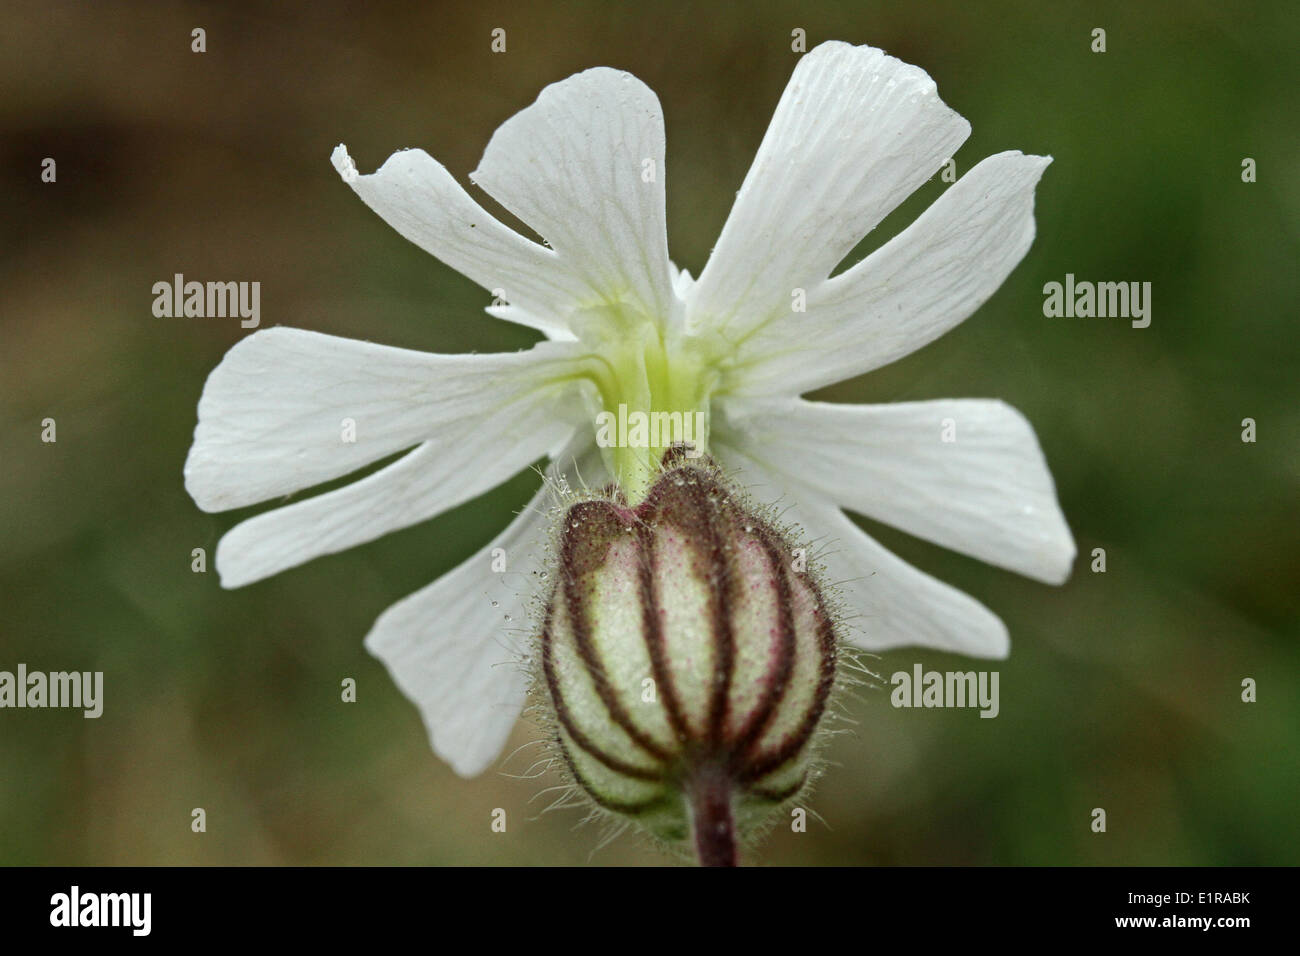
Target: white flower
x=854, y=134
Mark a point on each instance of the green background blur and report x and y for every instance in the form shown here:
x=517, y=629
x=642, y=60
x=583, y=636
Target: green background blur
x=1123, y=688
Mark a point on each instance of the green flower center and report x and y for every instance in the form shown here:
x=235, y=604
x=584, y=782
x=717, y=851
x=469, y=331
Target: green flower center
x=654, y=378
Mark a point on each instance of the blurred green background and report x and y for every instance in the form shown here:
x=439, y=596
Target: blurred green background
x=1123, y=688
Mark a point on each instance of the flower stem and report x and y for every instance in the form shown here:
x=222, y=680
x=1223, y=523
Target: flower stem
x=711, y=819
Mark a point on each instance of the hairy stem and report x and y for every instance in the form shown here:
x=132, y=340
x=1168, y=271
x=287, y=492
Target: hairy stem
x=711, y=819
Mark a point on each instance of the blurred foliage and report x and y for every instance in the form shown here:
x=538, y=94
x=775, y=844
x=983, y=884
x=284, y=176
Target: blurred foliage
x=1122, y=690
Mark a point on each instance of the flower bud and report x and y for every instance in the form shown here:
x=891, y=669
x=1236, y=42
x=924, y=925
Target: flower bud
x=688, y=656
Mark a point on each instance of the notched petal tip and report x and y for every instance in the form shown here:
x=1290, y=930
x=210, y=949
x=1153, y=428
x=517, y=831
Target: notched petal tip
x=866, y=59
x=344, y=164
x=1032, y=163
x=412, y=163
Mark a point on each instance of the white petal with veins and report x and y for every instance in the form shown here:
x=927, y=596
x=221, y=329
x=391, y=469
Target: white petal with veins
x=470, y=457
x=855, y=133
x=987, y=493
x=454, y=647
x=910, y=291
x=415, y=194
x=271, y=417
x=898, y=604
x=584, y=167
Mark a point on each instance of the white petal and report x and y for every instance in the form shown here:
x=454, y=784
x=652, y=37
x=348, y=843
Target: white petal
x=987, y=492
x=470, y=457
x=898, y=605
x=584, y=167
x=271, y=418
x=449, y=651
x=452, y=650
x=911, y=290
x=854, y=134
x=416, y=195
